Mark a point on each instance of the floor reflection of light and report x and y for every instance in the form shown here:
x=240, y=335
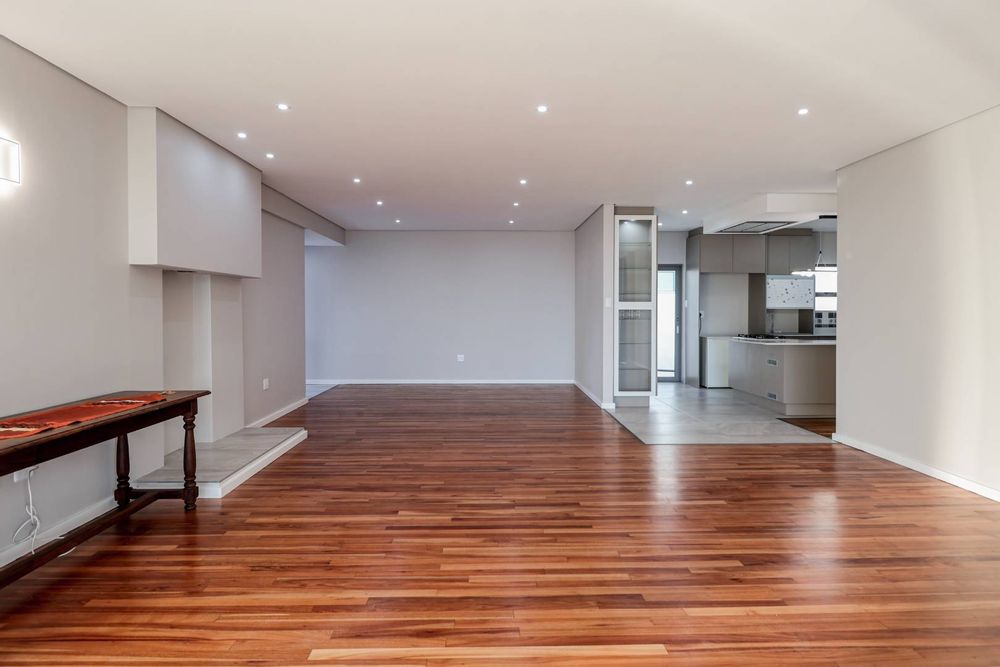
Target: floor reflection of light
x=825, y=514
x=664, y=472
x=817, y=537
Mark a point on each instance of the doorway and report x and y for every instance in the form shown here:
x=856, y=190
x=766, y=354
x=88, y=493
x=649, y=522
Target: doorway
x=668, y=323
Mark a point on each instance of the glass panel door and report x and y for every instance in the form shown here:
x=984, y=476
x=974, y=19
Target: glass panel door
x=635, y=350
x=635, y=260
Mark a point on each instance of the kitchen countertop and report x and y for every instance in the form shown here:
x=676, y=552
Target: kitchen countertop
x=783, y=341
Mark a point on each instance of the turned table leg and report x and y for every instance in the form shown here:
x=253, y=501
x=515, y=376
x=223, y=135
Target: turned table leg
x=123, y=491
x=190, y=492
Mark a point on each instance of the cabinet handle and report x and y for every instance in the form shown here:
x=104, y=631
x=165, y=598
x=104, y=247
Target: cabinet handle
x=772, y=362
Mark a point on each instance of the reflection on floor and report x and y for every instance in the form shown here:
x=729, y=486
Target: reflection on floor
x=317, y=389
x=683, y=415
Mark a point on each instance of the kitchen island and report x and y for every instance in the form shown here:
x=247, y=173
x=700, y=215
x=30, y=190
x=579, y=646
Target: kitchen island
x=795, y=376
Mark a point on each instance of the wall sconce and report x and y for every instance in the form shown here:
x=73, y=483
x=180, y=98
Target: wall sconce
x=10, y=160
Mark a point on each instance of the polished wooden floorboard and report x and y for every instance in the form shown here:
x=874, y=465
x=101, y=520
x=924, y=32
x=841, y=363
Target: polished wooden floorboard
x=824, y=426
x=507, y=525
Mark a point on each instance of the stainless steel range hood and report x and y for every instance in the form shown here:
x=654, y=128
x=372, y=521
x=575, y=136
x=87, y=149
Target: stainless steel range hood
x=770, y=211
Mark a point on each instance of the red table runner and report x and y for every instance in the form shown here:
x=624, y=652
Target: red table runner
x=45, y=420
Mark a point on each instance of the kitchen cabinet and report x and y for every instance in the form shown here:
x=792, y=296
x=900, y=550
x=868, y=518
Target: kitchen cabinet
x=787, y=254
x=793, y=377
x=692, y=308
x=826, y=243
x=715, y=361
x=801, y=253
x=717, y=253
x=749, y=253
x=731, y=253
x=778, y=255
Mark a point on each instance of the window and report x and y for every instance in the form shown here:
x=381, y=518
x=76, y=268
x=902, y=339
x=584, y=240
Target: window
x=826, y=287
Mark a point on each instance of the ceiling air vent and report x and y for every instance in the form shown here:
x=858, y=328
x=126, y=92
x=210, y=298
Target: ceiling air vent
x=769, y=211
x=754, y=227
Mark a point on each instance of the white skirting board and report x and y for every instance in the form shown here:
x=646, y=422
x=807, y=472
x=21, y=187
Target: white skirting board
x=15, y=551
x=396, y=381
x=913, y=464
x=603, y=406
x=281, y=412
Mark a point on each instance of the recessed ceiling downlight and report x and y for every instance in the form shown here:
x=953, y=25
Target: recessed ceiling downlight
x=523, y=181
x=542, y=108
x=397, y=221
x=516, y=204
x=803, y=111
x=357, y=180
x=282, y=106
x=510, y=222
x=269, y=156
x=684, y=212
x=241, y=135
x=689, y=182
x=378, y=203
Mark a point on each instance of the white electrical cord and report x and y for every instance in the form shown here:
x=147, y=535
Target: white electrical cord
x=32, y=522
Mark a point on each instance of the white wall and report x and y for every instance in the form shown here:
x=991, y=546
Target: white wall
x=203, y=349
x=227, y=356
x=671, y=247
x=590, y=311
x=917, y=355
x=289, y=210
x=187, y=347
x=402, y=305
x=203, y=213
x=274, y=323
x=79, y=320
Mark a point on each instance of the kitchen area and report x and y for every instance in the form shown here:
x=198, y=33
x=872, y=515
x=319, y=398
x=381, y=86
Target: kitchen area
x=760, y=333
x=768, y=329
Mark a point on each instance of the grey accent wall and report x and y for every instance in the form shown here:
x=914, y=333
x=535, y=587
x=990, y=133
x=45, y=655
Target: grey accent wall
x=401, y=306
x=918, y=236
x=274, y=322
x=79, y=321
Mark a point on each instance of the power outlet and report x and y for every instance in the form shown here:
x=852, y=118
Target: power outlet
x=460, y=358
x=266, y=384
x=22, y=475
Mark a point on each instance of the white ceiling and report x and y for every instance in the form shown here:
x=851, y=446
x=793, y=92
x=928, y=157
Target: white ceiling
x=432, y=102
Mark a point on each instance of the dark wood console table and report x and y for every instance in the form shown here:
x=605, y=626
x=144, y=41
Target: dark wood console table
x=20, y=453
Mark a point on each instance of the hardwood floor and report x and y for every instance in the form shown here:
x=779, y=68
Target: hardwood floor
x=509, y=525
x=824, y=426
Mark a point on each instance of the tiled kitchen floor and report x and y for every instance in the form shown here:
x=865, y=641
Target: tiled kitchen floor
x=683, y=415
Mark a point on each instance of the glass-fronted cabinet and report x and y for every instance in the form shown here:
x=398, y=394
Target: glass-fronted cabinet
x=635, y=305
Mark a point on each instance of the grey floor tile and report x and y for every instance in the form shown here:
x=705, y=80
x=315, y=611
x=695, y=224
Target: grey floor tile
x=684, y=415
